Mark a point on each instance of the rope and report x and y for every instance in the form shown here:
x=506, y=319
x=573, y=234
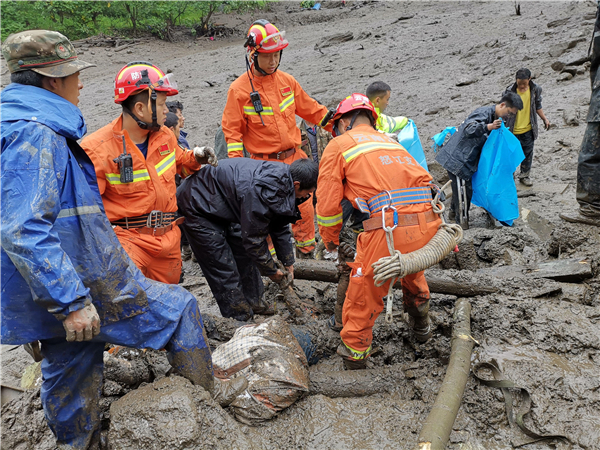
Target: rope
x=398, y=265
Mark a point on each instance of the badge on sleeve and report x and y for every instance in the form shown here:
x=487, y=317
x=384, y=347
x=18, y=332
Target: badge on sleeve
x=164, y=149
x=285, y=91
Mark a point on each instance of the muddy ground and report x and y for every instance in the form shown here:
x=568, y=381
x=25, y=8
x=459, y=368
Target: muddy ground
x=544, y=335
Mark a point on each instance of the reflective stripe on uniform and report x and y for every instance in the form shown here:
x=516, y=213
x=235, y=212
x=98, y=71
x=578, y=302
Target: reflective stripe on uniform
x=164, y=165
x=287, y=102
x=330, y=221
x=267, y=110
x=235, y=147
x=78, y=211
x=272, y=251
x=357, y=354
x=353, y=152
x=305, y=243
x=391, y=123
x=138, y=175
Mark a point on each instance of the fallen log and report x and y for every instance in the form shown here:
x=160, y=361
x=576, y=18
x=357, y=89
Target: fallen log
x=356, y=383
x=328, y=272
x=438, y=425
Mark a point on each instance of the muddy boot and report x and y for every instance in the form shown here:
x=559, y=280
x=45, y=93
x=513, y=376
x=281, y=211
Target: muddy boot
x=525, y=180
x=418, y=318
x=194, y=364
x=577, y=217
x=351, y=363
x=265, y=309
x=307, y=255
x=186, y=252
x=226, y=391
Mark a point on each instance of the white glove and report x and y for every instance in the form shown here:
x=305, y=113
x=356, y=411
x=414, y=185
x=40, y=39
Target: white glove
x=205, y=155
x=83, y=324
x=394, y=136
x=330, y=256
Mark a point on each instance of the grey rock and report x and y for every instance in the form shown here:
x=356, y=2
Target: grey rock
x=467, y=81
x=557, y=23
x=576, y=58
x=335, y=39
x=488, y=70
x=435, y=110
x=558, y=49
x=557, y=65
x=571, y=116
x=564, y=77
x=570, y=69
x=172, y=413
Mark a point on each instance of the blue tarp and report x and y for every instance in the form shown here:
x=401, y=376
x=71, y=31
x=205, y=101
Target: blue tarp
x=493, y=184
x=440, y=138
x=409, y=139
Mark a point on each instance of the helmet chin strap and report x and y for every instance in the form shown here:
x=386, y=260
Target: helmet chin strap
x=257, y=67
x=154, y=126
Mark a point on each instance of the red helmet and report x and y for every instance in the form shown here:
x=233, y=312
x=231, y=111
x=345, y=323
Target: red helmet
x=353, y=102
x=264, y=37
x=140, y=75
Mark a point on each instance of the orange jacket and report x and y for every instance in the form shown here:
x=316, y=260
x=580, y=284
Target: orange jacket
x=153, y=186
x=362, y=163
x=282, y=98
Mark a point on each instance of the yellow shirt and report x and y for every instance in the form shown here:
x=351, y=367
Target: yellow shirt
x=523, y=120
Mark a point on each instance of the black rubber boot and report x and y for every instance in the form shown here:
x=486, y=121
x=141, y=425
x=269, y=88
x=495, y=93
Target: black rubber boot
x=420, y=322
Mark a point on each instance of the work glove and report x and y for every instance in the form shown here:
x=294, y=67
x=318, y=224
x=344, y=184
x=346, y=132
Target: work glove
x=284, y=275
x=83, y=324
x=347, y=252
x=206, y=155
x=394, y=136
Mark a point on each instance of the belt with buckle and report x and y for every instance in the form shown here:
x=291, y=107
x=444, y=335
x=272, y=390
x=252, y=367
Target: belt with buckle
x=156, y=223
x=278, y=155
x=404, y=220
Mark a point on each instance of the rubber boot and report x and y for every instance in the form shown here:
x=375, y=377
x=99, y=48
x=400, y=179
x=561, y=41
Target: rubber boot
x=195, y=365
x=420, y=322
x=226, y=391
x=351, y=363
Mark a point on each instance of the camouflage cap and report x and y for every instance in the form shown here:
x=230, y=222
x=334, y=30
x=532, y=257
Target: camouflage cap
x=48, y=53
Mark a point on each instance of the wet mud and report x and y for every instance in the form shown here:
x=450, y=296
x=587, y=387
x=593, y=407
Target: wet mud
x=443, y=60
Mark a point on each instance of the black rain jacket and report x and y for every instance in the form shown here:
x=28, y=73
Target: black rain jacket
x=460, y=155
x=259, y=195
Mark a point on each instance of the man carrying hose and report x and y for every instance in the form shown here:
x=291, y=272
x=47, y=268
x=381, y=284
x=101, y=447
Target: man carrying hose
x=380, y=178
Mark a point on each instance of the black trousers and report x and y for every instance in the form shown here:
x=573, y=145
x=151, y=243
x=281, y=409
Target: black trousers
x=233, y=277
x=526, y=140
x=469, y=191
x=588, y=171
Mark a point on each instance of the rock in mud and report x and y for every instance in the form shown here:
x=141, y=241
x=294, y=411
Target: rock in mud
x=173, y=414
x=565, y=76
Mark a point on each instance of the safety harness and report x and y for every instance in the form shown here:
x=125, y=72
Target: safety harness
x=398, y=265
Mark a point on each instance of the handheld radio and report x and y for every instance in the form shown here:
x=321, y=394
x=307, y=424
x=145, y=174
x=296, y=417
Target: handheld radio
x=125, y=163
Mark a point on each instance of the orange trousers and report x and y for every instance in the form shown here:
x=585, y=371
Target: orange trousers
x=364, y=301
x=158, y=257
x=304, y=229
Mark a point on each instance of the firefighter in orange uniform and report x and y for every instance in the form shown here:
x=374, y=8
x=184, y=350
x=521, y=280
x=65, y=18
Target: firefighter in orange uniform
x=136, y=158
x=260, y=114
x=372, y=171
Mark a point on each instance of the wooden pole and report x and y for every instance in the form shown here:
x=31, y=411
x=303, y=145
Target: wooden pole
x=328, y=272
x=439, y=422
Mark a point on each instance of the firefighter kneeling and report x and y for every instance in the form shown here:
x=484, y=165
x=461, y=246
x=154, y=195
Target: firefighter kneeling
x=374, y=173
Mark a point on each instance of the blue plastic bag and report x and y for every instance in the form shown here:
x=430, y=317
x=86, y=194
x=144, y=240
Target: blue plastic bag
x=409, y=139
x=438, y=139
x=494, y=187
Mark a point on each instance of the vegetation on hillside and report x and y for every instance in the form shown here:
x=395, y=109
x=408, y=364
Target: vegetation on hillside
x=80, y=19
